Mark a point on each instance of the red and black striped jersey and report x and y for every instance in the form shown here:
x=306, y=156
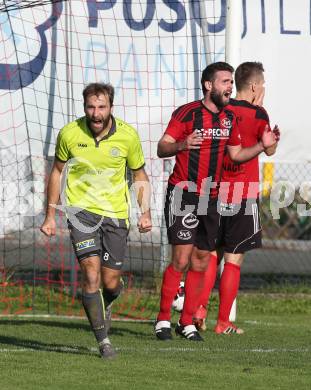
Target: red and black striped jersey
x=243, y=178
x=195, y=165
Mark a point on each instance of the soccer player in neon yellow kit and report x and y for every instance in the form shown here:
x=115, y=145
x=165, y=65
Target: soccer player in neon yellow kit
x=96, y=150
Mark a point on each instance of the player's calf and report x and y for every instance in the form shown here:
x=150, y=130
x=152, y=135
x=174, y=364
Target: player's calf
x=199, y=318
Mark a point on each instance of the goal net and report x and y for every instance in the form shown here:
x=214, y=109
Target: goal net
x=153, y=52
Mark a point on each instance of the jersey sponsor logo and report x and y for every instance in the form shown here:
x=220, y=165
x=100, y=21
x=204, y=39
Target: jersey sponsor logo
x=190, y=221
x=85, y=244
x=81, y=145
x=184, y=235
x=216, y=133
x=115, y=152
x=226, y=123
x=232, y=167
x=94, y=171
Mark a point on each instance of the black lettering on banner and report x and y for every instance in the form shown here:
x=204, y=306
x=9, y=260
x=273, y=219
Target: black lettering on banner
x=178, y=7
x=142, y=24
x=180, y=20
x=95, y=6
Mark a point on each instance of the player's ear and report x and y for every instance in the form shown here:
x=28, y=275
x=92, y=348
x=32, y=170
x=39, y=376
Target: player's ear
x=208, y=85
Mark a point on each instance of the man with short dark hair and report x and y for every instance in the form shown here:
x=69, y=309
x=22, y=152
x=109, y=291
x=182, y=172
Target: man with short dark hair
x=197, y=135
x=250, y=76
x=96, y=151
x=240, y=228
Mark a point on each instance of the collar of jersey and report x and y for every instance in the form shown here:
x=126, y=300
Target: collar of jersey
x=211, y=112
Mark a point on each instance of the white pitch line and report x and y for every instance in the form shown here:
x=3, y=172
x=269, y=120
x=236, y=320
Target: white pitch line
x=53, y=316
x=34, y=348
x=148, y=321
x=64, y=317
x=272, y=324
x=40, y=348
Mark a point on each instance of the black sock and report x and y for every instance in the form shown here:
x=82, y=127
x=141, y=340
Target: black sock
x=94, y=308
x=111, y=295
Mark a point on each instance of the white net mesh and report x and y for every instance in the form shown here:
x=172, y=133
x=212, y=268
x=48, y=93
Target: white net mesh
x=153, y=52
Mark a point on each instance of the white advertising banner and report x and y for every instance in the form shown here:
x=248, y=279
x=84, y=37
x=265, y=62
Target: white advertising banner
x=153, y=52
x=277, y=33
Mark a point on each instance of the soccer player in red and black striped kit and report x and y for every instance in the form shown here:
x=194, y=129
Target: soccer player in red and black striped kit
x=240, y=228
x=197, y=135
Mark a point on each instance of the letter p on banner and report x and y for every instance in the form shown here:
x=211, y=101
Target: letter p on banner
x=93, y=6
x=282, y=195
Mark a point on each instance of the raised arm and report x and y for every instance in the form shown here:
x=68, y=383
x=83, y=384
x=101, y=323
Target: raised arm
x=168, y=146
x=239, y=154
x=53, y=191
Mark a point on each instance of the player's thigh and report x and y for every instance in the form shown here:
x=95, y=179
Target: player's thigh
x=84, y=228
x=90, y=269
x=242, y=232
x=180, y=216
x=114, y=233
x=208, y=229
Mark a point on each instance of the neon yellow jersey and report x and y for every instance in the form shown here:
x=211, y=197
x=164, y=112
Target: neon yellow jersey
x=96, y=171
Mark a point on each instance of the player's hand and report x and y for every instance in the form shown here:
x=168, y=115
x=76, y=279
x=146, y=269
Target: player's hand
x=193, y=141
x=48, y=227
x=144, y=223
x=268, y=138
x=277, y=133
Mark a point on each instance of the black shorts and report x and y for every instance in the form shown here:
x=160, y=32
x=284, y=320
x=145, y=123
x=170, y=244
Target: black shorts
x=208, y=229
x=94, y=235
x=240, y=227
x=180, y=213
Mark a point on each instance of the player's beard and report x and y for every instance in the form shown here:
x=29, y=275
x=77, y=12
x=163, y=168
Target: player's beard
x=104, y=124
x=218, y=99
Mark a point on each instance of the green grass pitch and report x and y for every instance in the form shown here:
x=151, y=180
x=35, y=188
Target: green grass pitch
x=60, y=353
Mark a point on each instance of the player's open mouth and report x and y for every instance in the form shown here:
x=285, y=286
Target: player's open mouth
x=97, y=122
x=227, y=94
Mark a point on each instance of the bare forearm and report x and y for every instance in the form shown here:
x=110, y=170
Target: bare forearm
x=246, y=154
x=143, y=198
x=53, y=192
x=142, y=190
x=168, y=149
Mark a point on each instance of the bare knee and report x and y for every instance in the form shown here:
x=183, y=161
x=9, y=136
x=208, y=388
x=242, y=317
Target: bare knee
x=199, y=259
x=181, y=257
x=110, y=278
x=90, y=274
x=234, y=258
